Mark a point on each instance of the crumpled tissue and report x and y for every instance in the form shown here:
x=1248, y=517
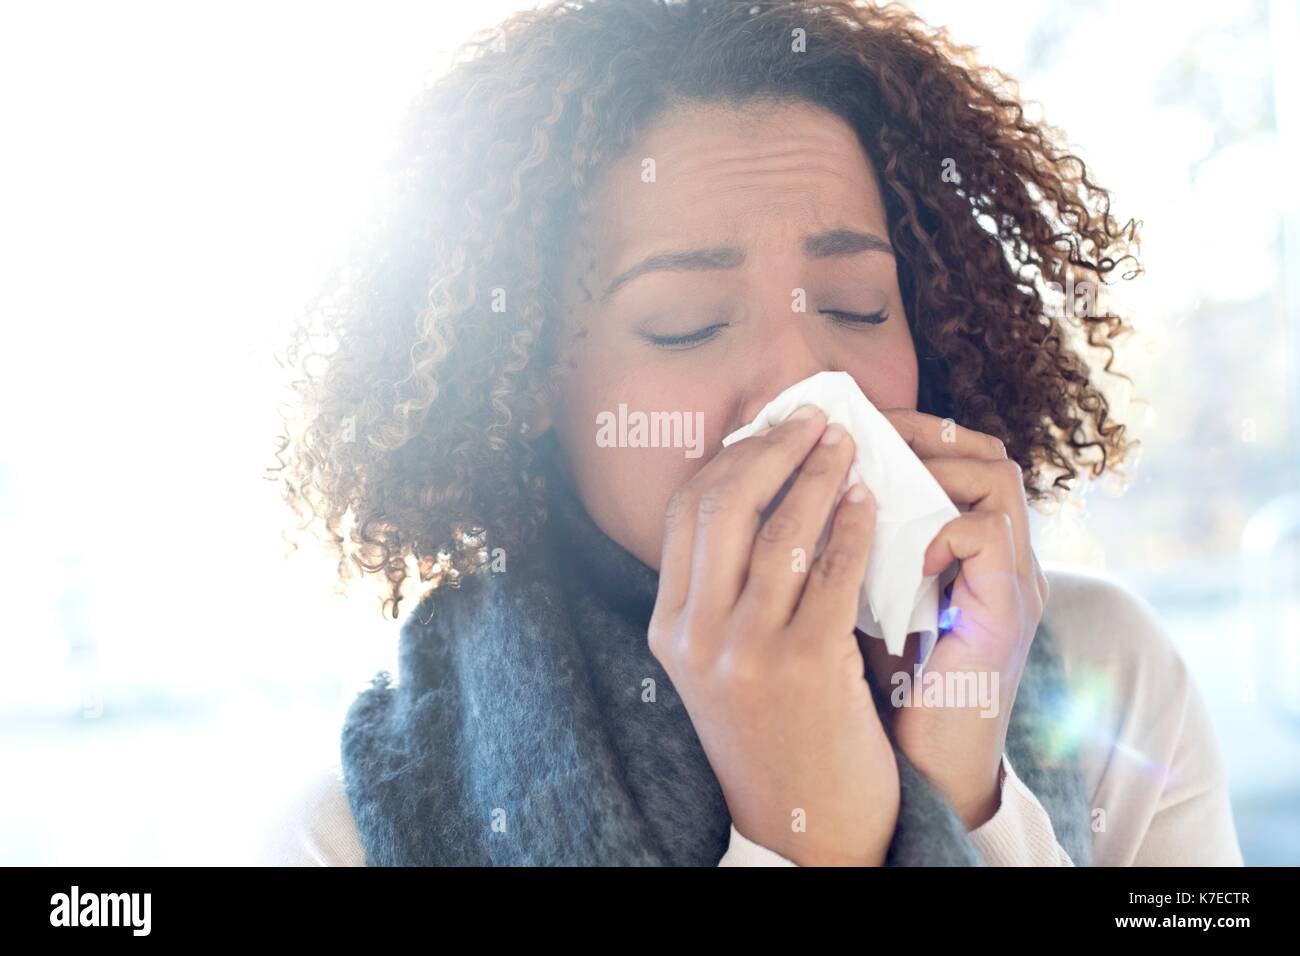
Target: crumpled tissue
x=911, y=507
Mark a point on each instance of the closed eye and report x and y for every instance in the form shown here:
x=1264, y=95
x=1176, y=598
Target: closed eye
x=704, y=334
x=857, y=318
x=691, y=338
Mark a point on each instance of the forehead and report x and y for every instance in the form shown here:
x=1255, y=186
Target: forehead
x=759, y=175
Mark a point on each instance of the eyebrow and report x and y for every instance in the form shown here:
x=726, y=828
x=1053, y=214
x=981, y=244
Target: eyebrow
x=832, y=243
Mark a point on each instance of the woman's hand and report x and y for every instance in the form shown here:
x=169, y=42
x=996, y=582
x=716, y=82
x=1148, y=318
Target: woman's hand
x=758, y=641
x=997, y=600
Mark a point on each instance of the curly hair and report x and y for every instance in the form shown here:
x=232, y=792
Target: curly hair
x=404, y=439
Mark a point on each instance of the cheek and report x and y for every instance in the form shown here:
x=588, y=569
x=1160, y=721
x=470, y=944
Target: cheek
x=626, y=488
x=889, y=375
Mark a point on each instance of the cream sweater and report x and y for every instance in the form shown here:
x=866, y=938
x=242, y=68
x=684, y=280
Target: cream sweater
x=1149, y=754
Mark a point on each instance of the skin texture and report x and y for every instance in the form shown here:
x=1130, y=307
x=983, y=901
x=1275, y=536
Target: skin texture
x=764, y=654
x=761, y=179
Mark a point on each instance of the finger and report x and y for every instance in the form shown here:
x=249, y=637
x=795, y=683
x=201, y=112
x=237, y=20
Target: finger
x=729, y=502
x=930, y=436
x=987, y=485
x=675, y=553
x=786, y=541
x=831, y=595
x=983, y=542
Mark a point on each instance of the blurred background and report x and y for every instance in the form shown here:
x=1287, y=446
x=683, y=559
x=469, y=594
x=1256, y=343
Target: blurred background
x=177, y=176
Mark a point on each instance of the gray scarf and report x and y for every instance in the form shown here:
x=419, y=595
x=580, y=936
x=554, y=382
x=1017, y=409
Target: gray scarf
x=519, y=733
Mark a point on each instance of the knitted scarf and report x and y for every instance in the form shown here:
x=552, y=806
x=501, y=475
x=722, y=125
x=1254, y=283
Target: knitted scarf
x=531, y=726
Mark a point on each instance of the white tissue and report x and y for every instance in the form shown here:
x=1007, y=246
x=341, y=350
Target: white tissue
x=911, y=507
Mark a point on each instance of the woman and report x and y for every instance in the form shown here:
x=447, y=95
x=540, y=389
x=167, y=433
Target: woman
x=687, y=208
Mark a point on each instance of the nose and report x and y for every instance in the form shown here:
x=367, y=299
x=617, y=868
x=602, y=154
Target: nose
x=789, y=355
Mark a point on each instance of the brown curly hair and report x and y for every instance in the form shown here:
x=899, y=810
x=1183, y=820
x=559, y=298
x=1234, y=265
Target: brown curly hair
x=404, y=437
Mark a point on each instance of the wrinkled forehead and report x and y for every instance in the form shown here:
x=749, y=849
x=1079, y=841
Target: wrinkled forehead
x=757, y=176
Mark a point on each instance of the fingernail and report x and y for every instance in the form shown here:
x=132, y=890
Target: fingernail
x=857, y=493
x=804, y=411
x=832, y=435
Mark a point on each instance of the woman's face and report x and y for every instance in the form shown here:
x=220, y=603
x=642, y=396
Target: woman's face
x=684, y=290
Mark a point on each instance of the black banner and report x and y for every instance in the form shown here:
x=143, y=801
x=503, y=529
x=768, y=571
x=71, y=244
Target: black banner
x=109, y=906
